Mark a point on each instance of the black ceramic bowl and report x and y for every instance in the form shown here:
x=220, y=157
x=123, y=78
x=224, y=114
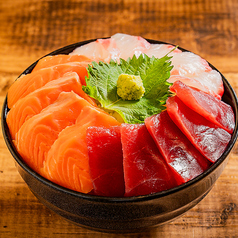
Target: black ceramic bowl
x=121, y=214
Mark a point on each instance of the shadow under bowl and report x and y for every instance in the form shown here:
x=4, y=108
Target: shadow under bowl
x=121, y=214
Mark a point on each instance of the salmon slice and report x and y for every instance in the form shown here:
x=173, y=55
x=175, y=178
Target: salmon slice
x=33, y=103
x=30, y=82
x=37, y=134
x=49, y=61
x=67, y=163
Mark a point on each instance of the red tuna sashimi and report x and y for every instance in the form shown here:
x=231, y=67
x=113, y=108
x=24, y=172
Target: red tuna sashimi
x=209, y=139
x=33, y=103
x=67, y=160
x=145, y=170
x=52, y=60
x=206, y=105
x=106, y=161
x=184, y=159
x=30, y=82
x=36, y=136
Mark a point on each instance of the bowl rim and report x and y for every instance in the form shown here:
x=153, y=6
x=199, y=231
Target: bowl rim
x=105, y=199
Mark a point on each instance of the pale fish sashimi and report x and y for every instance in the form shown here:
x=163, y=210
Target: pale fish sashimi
x=189, y=64
x=215, y=89
x=32, y=81
x=130, y=45
x=160, y=50
x=118, y=46
x=99, y=50
x=185, y=64
x=197, y=70
x=36, y=136
x=213, y=81
x=67, y=163
x=33, y=103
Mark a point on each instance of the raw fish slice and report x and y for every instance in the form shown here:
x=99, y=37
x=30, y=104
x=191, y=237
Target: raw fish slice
x=145, y=170
x=110, y=50
x=67, y=160
x=106, y=161
x=94, y=50
x=118, y=46
x=30, y=82
x=209, y=82
x=189, y=64
x=184, y=159
x=213, y=109
x=49, y=61
x=33, y=103
x=192, y=82
x=130, y=45
x=36, y=136
x=160, y=50
x=101, y=49
x=209, y=139
x=213, y=81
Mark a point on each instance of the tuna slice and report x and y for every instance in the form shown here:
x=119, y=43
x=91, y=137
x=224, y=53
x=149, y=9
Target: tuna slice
x=67, y=162
x=106, y=161
x=36, y=136
x=35, y=80
x=145, y=170
x=33, y=103
x=184, y=159
x=208, y=138
x=206, y=105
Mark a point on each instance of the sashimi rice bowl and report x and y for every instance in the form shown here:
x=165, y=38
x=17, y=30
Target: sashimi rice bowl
x=120, y=133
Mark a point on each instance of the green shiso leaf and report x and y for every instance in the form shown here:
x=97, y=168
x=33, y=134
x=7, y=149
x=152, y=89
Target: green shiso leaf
x=101, y=84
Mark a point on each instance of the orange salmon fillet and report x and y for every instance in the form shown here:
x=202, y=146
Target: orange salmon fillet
x=37, y=134
x=30, y=82
x=33, y=103
x=49, y=61
x=67, y=162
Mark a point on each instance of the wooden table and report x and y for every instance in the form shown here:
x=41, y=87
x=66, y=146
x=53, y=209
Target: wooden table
x=31, y=28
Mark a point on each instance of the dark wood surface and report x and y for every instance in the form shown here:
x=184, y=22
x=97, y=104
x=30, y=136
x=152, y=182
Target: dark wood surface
x=30, y=29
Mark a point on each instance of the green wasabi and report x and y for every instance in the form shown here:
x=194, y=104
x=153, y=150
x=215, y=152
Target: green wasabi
x=130, y=87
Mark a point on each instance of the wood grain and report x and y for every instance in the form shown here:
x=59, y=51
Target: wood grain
x=30, y=29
